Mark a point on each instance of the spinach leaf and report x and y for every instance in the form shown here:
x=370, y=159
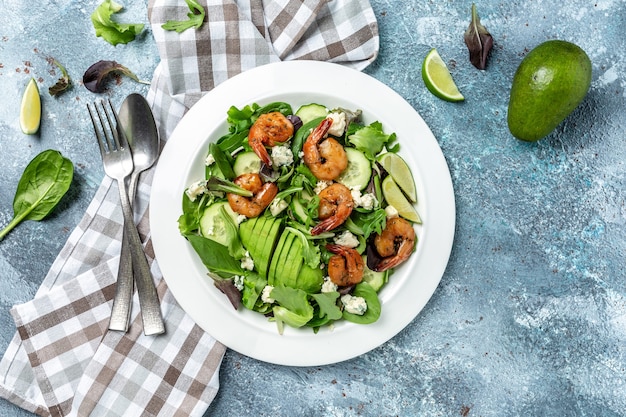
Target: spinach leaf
x=215, y=257
x=45, y=180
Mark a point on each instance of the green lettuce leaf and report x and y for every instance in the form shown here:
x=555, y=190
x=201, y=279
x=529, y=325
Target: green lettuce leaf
x=327, y=302
x=111, y=31
x=293, y=306
x=369, y=139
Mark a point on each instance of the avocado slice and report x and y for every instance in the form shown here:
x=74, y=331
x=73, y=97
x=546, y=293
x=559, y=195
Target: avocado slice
x=279, y=272
x=246, y=229
x=291, y=263
x=268, y=245
x=280, y=246
x=259, y=233
x=310, y=279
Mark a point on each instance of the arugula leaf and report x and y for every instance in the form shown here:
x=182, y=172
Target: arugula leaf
x=195, y=18
x=215, y=257
x=366, y=223
x=111, y=31
x=44, y=182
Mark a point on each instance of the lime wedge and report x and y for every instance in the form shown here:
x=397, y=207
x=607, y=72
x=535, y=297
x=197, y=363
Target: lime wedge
x=400, y=172
x=396, y=198
x=438, y=79
x=30, y=109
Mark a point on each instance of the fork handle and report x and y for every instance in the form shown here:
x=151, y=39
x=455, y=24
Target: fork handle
x=120, y=312
x=148, y=297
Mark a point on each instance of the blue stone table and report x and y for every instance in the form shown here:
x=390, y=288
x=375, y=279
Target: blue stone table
x=530, y=315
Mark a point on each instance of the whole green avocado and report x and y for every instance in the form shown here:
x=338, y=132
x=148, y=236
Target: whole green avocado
x=548, y=85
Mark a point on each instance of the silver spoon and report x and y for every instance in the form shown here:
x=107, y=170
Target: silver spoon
x=137, y=121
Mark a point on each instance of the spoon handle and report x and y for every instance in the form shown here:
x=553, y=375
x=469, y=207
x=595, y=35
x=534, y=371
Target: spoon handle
x=148, y=298
x=120, y=312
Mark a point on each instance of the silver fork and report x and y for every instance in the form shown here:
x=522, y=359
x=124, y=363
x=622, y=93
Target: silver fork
x=118, y=164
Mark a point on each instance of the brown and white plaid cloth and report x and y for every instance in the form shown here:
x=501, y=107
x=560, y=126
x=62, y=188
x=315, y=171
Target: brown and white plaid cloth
x=62, y=360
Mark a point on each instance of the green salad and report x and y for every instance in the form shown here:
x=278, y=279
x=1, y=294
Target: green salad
x=302, y=216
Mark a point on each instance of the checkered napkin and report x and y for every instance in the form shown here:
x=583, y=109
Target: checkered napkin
x=62, y=360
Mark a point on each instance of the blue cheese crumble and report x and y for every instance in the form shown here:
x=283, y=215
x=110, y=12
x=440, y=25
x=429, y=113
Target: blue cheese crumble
x=196, y=189
x=354, y=305
x=238, y=282
x=277, y=206
x=282, y=155
x=338, y=126
x=265, y=295
x=328, y=285
x=247, y=262
x=347, y=239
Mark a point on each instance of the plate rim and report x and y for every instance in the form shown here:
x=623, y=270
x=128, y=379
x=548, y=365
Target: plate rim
x=323, y=78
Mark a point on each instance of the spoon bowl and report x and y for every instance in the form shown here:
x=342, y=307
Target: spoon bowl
x=138, y=123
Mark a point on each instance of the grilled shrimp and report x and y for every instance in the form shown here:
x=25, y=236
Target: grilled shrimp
x=335, y=207
x=263, y=194
x=395, y=244
x=326, y=158
x=346, y=266
x=268, y=130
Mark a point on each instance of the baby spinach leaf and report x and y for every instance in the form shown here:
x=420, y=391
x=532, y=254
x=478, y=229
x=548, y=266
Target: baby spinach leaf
x=215, y=256
x=44, y=182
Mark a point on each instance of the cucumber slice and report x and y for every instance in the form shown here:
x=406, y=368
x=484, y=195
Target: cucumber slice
x=213, y=224
x=311, y=111
x=375, y=279
x=358, y=172
x=247, y=163
x=299, y=211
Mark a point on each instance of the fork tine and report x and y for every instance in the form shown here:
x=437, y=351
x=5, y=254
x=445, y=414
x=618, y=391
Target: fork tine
x=112, y=126
x=96, y=129
x=111, y=140
x=119, y=132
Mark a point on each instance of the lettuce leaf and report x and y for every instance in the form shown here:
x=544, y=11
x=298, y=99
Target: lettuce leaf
x=369, y=139
x=195, y=18
x=293, y=306
x=111, y=31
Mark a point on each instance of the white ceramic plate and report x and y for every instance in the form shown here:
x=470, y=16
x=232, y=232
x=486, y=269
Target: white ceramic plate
x=182, y=162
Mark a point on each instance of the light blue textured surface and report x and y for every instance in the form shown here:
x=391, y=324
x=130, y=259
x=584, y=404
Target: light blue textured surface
x=530, y=316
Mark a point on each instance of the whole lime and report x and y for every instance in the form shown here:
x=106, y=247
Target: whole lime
x=548, y=85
